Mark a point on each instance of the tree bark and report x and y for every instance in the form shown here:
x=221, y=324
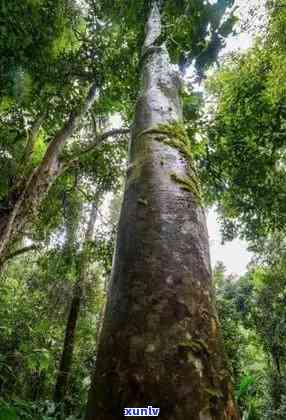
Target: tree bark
x=62, y=384
x=160, y=343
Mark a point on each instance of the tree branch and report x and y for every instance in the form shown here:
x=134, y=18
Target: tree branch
x=21, y=251
x=73, y=159
x=69, y=128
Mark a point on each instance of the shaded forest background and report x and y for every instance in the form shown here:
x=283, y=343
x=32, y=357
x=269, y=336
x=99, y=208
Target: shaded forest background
x=69, y=76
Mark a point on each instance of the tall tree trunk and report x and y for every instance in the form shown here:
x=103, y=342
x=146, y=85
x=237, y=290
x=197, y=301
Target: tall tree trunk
x=61, y=388
x=160, y=344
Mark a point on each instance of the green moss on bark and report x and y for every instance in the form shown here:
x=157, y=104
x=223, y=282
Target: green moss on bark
x=189, y=183
x=175, y=135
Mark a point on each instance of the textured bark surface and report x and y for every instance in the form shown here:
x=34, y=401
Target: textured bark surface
x=62, y=384
x=160, y=344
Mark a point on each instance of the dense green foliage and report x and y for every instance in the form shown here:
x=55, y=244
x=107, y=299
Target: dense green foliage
x=194, y=30
x=245, y=168
x=252, y=312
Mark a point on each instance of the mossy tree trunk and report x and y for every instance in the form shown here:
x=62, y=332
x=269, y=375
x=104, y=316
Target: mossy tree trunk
x=160, y=343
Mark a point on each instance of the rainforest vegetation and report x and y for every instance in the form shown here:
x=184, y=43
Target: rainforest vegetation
x=122, y=123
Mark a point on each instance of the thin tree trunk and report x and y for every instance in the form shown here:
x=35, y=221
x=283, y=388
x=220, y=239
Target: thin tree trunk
x=61, y=388
x=160, y=343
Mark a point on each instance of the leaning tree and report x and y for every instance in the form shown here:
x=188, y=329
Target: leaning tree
x=55, y=79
